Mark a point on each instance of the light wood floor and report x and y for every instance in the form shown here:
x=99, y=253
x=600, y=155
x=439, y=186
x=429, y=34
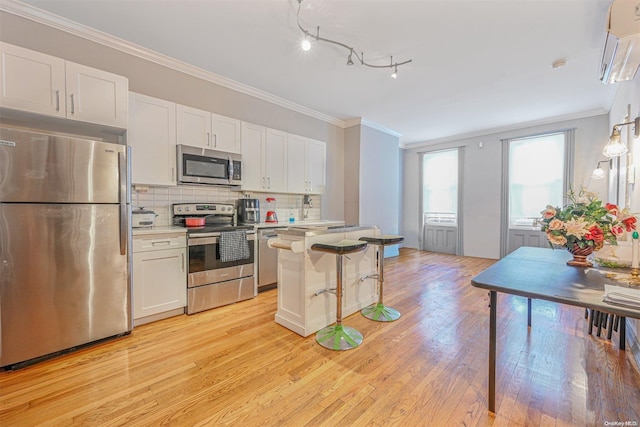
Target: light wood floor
x=235, y=366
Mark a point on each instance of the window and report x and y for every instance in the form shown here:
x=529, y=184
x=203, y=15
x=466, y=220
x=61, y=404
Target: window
x=536, y=177
x=440, y=188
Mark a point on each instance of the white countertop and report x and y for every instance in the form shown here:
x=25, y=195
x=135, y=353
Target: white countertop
x=158, y=230
x=310, y=223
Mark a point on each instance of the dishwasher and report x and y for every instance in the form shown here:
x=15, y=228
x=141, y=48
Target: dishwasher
x=267, y=260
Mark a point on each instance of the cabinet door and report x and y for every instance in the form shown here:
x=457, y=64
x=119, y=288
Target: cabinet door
x=31, y=81
x=253, y=144
x=152, y=136
x=316, y=166
x=194, y=127
x=159, y=281
x=96, y=96
x=226, y=133
x=275, y=162
x=296, y=159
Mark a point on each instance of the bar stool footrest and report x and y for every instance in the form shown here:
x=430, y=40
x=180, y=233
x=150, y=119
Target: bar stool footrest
x=380, y=313
x=339, y=337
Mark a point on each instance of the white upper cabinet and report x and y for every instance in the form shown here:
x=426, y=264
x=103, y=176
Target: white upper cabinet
x=307, y=165
x=193, y=126
x=202, y=129
x=152, y=137
x=31, y=81
x=275, y=161
x=226, y=133
x=96, y=96
x=264, y=159
x=43, y=84
x=253, y=146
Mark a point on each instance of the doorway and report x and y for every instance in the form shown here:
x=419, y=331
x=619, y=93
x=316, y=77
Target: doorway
x=441, y=201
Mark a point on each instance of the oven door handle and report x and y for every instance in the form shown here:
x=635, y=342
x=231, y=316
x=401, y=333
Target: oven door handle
x=198, y=241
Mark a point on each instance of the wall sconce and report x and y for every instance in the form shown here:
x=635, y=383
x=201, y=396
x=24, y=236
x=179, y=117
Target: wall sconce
x=615, y=147
x=598, y=172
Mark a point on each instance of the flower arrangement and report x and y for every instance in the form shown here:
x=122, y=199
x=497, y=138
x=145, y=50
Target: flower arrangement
x=584, y=221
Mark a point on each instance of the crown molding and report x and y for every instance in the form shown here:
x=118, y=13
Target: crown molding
x=489, y=131
x=54, y=21
x=364, y=122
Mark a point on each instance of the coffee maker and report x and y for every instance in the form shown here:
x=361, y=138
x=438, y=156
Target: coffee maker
x=248, y=211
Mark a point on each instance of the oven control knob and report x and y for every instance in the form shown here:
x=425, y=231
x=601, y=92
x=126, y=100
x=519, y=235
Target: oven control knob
x=179, y=209
x=187, y=209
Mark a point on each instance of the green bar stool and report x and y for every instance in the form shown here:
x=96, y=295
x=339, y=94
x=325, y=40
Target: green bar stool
x=380, y=312
x=339, y=337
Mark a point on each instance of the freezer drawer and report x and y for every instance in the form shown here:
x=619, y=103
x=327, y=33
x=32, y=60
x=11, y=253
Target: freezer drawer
x=63, y=280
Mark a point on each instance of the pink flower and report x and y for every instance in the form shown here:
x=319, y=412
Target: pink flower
x=556, y=240
x=549, y=212
x=556, y=224
x=617, y=230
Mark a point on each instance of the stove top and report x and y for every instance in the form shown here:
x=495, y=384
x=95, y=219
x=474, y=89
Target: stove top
x=218, y=217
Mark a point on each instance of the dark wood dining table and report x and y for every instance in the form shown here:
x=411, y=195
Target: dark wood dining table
x=542, y=273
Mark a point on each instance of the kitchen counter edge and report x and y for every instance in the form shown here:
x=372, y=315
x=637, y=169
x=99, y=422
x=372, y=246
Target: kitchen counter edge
x=158, y=230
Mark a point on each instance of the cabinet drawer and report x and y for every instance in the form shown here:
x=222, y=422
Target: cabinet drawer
x=158, y=242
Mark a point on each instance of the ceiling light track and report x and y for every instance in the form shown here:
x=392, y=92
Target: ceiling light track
x=306, y=45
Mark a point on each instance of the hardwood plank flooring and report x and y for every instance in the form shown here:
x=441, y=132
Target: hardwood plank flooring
x=235, y=366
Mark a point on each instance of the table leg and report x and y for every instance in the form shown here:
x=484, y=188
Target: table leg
x=529, y=312
x=623, y=333
x=493, y=303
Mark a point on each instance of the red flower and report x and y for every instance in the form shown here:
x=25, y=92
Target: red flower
x=595, y=233
x=611, y=208
x=629, y=223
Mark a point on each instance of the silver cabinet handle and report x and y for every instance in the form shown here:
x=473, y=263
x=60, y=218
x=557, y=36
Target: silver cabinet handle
x=57, y=100
x=269, y=182
x=161, y=243
x=122, y=190
x=182, y=262
x=73, y=109
x=173, y=174
x=215, y=139
x=263, y=182
x=208, y=139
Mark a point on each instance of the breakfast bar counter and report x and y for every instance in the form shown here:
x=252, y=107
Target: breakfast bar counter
x=303, y=272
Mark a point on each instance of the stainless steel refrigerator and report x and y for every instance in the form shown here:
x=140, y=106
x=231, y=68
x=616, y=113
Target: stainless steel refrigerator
x=64, y=238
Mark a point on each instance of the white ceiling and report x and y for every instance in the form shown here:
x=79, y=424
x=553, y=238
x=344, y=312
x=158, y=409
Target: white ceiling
x=478, y=65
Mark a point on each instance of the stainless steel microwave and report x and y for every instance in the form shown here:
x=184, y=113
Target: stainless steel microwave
x=203, y=166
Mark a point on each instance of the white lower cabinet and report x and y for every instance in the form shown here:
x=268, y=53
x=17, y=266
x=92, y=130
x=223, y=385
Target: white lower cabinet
x=159, y=276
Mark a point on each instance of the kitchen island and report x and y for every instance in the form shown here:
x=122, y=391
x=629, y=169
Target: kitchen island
x=303, y=272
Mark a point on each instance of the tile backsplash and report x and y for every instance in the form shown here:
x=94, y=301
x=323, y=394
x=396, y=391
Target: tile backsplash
x=160, y=199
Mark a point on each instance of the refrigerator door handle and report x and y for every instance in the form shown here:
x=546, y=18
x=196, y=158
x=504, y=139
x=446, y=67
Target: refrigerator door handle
x=122, y=166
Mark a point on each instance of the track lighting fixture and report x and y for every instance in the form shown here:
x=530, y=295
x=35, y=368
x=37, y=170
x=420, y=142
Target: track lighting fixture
x=306, y=45
x=615, y=147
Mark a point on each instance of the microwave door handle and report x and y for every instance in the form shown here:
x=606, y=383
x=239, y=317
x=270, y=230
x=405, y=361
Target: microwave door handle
x=230, y=170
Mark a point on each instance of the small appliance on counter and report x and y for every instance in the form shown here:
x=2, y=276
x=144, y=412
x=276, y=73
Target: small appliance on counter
x=271, y=215
x=248, y=211
x=141, y=218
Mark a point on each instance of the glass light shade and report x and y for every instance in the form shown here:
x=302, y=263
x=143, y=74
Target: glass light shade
x=306, y=44
x=598, y=173
x=614, y=147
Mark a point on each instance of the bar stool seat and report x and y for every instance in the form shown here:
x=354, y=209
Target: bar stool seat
x=380, y=312
x=339, y=337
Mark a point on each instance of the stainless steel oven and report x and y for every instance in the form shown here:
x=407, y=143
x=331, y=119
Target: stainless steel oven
x=203, y=166
x=211, y=282
x=215, y=278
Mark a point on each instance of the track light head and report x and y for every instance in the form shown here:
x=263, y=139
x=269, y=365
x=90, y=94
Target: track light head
x=306, y=44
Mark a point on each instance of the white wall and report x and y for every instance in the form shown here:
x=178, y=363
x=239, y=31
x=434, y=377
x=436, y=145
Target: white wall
x=380, y=182
x=482, y=180
x=156, y=80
